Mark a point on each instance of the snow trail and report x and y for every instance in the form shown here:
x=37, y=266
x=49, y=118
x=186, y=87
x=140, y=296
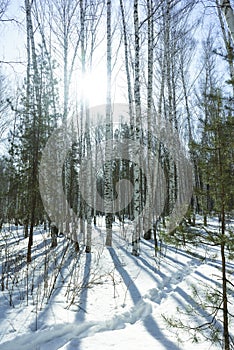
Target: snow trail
x=72, y=331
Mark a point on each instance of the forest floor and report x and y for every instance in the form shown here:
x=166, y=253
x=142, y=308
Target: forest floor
x=108, y=299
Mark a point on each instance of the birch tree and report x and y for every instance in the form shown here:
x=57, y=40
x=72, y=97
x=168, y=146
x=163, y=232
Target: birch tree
x=228, y=42
x=4, y=107
x=127, y=63
x=108, y=196
x=137, y=101
x=229, y=15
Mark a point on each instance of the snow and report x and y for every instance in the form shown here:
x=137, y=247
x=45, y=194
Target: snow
x=108, y=299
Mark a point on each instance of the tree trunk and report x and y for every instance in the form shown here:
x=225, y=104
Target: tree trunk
x=108, y=196
x=229, y=15
x=35, y=131
x=137, y=97
x=126, y=54
x=223, y=245
x=225, y=301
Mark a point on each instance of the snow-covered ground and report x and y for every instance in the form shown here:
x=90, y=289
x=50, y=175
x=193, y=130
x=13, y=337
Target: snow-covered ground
x=108, y=299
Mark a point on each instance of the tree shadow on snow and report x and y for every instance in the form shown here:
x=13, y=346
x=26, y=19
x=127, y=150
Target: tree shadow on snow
x=149, y=322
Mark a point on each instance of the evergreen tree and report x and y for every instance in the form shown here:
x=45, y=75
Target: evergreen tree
x=33, y=128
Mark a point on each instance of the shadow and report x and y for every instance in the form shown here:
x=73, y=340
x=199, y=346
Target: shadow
x=84, y=294
x=149, y=269
x=152, y=268
x=149, y=323
x=205, y=278
x=80, y=315
x=199, y=316
x=175, y=261
x=67, y=259
x=177, y=251
x=218, y=264
x=211, y=261
x=143, y=241
x=45, y=245
x=181, y=252
x=9, y=238
x=71, y=257
x=134, y=292
x=154, y=330
x=46, y=242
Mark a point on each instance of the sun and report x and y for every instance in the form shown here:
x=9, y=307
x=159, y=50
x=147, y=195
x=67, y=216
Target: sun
x=93, y=87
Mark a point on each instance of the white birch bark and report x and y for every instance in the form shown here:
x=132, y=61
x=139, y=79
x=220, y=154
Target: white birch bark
x=85, y=114
x=108, y=195
x=149, y=214
x=229, y=15
x=228, y=45
x=126, y=56
x=137, y=97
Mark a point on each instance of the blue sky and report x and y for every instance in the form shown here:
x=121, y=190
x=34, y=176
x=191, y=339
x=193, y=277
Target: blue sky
x=12, y=36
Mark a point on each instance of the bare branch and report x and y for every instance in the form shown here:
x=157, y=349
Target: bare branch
x=12, y=62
